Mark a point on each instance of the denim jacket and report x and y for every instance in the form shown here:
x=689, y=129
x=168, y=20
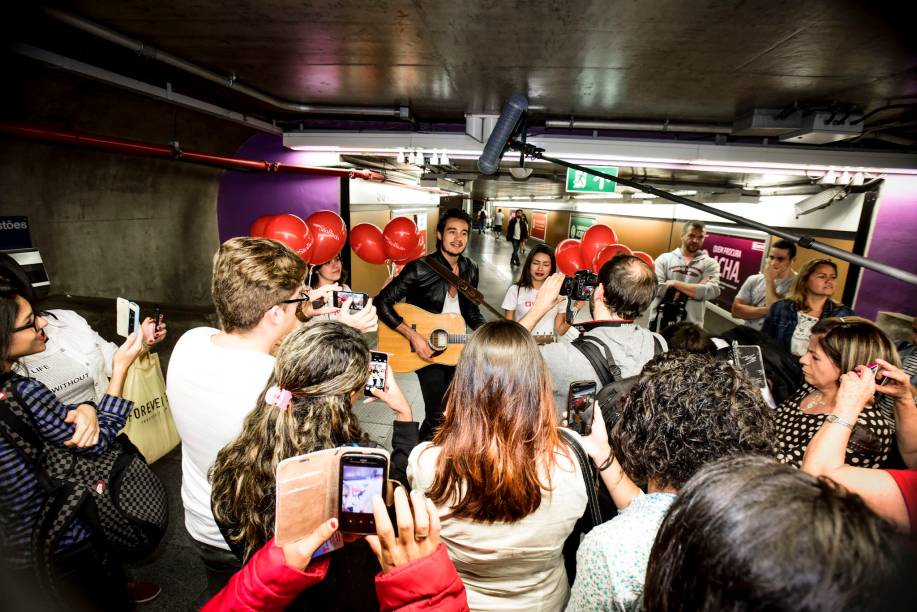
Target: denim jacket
x=781, y=319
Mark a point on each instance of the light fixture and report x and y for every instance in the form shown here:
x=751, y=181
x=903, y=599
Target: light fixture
x=857, y=179
x=434, y=159
x=444, y=159
x=845, y=178
x=400, y=157
x=830, y=177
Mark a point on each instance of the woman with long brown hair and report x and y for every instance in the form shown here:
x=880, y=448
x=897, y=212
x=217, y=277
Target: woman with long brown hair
x=507, y=489
x=790, y=320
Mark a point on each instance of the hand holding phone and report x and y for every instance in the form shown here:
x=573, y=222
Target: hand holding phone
x=581, y=406
x=362, y=476
x=378, y=372
x=358, y=299
x=127, y=317
x=874, y=366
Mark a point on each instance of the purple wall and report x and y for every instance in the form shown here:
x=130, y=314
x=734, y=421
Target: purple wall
x=894, y=241
x=246, y=196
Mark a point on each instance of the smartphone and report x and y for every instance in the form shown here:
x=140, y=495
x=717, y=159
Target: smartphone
x=358, y=303
x=580, y=406
x=874, y=366
x=378, y=372
x=363, y=476
x=127, y=317
x=157, y=316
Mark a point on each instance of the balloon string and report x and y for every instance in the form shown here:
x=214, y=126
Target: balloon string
x=309, y=276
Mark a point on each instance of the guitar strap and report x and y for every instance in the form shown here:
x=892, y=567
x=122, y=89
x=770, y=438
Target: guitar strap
x=467, y=289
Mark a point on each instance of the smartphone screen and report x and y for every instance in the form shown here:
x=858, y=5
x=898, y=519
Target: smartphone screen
x=127, y=317
x=134, y=323
x=580, y=403
x=378, y=372
x=362, y=478
x=358, y=303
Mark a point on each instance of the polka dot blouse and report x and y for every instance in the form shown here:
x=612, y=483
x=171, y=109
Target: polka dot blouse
x=869, y=444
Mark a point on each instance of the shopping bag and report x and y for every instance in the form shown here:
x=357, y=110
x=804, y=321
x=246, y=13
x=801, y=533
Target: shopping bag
x=149, y=426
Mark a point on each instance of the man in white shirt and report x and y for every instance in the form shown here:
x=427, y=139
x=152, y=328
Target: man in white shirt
x=690, y=271
x=498, y=223
x=215, y=376
x=759, y=291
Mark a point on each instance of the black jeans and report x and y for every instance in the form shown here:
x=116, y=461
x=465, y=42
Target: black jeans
x=434, y=380
x=220, y=564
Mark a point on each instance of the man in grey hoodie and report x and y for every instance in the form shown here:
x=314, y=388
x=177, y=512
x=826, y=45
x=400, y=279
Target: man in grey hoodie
x=690, y=271
x=626, y=288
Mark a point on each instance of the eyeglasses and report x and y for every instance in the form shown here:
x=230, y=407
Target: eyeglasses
x=33, y=324
x=303, y=297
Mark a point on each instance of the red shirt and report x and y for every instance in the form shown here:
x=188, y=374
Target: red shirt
x=907, y=482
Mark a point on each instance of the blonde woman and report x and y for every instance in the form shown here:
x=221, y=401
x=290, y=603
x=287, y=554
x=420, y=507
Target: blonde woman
x=321, y=370
x=790, y=320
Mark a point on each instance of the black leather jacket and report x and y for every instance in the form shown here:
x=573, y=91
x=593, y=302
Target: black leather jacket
x=419, y=285
x=523, y=232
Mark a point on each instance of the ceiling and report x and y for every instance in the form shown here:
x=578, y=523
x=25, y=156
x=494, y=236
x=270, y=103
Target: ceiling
x=703, y=60
x=700, y=62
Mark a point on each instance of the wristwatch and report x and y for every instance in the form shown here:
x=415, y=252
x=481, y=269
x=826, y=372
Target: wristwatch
x=833, y=418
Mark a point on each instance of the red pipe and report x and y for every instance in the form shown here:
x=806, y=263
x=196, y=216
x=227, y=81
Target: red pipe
x=152, y=150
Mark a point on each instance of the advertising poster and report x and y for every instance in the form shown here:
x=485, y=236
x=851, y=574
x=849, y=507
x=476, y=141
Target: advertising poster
x=739, y=258
x=579, y=224
x=539, y=225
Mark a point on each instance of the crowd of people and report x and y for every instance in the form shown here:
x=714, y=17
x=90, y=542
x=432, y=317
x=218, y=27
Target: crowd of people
x=688, y=491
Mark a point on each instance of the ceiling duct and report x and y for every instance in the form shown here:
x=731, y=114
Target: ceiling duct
x=800, y=126
x=639, y=126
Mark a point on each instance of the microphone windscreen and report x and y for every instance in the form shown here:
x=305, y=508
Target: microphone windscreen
x=489, y=161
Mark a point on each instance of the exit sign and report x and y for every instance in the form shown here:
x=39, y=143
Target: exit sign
x=581, y=182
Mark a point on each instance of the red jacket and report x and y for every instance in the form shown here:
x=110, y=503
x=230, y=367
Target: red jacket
x=266, y=582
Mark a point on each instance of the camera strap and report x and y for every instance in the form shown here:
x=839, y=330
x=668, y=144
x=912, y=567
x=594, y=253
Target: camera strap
x=467, y=289
x=587, y=326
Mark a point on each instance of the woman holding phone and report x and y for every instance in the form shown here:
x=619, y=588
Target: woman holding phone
x=321, y=369
x=519, y=298
x=329, y=273
x=507, y=489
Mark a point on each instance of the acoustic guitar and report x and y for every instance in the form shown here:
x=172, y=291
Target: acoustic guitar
x=445, y=333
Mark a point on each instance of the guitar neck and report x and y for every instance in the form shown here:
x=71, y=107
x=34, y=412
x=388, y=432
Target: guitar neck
x=464, y=338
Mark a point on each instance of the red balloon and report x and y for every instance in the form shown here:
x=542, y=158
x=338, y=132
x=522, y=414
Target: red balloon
x=608, y=253
x=366, y=241
x=417, y=254
x=306, y=252
x=258, y=225
x=645, y=257
x=593, y=240
x=401, y=239
x=290, y=230
x=330, y=235
x=567, y=255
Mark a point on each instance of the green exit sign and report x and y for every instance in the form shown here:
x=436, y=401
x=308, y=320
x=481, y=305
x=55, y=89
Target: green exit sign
x=581, y=182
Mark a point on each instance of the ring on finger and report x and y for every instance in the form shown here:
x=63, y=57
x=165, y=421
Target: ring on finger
x=420, y=536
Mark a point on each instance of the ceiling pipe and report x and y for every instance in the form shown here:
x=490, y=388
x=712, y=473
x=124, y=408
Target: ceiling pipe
x=147, y=51
x=175, y=152
x=640, y=126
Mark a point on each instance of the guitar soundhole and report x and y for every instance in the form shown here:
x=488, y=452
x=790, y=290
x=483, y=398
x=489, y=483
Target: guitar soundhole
x=439, y=340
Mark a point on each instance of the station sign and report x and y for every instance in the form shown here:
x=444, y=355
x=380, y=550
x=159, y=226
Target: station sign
x=581, y=182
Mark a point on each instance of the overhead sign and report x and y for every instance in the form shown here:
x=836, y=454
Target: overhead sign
x=582, y=182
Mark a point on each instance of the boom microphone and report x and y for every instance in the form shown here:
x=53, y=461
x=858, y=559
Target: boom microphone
x=506, y=126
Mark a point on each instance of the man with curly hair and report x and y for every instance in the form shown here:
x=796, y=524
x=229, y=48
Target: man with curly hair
x=685, y=411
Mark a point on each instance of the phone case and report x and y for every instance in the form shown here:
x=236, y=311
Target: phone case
x=307, y=493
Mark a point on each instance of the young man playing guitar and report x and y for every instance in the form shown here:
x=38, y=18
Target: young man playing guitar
x=420, y=285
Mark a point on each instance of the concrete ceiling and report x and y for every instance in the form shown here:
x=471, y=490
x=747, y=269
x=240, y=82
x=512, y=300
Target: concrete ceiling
x=702, y=60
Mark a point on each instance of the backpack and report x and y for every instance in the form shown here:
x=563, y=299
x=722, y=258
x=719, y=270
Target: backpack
x=116, y=493
x=614, y=388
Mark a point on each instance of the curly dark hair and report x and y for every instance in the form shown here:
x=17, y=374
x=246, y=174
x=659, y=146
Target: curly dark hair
x=684, y=411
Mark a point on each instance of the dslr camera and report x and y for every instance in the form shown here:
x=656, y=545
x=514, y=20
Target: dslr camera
x=580, y=286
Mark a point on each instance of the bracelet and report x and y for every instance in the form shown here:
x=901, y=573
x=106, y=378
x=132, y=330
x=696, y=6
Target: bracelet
x=607, y=463
x=833, y=418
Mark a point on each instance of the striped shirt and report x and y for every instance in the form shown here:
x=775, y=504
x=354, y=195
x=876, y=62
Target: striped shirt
x=21, y=495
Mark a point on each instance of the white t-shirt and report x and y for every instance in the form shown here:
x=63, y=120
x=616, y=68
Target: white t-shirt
x=76, y=362
x=451, y=304
x=212, y=389
x=754, y=293
x=800, y=341
x=521, y=299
